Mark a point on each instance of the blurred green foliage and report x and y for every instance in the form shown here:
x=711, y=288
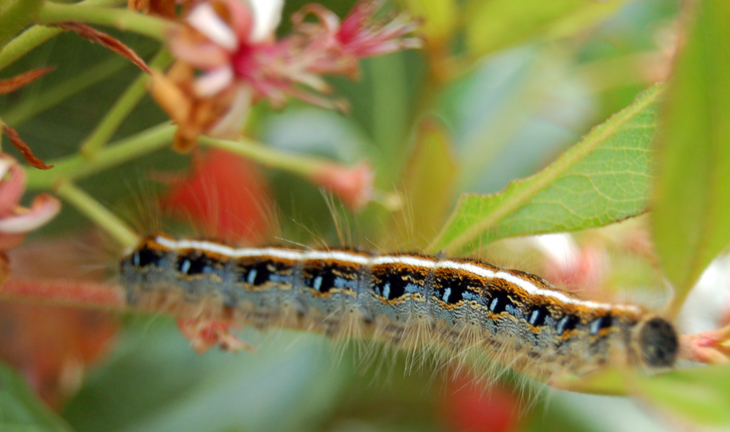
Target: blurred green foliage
x=20, y=408
x=693, y=183
x=500, y=91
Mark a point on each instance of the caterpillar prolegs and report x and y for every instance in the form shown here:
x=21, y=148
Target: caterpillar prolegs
x=516, y=318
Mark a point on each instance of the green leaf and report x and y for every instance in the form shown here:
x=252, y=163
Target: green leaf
x=692, y=192
x=603, y=179
x=20, y=408
x=439, y=18
x=156, y=382
x=495, y=24
x=605, y=382
x=701, y=395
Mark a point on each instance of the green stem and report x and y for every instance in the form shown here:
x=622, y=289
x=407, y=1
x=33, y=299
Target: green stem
x=103, y=3
x=36, y=35
x=295, y=163
x=95, y=211
x=78, y=166
x=16, y=17
x=122, y=19
x=32, y=106
x=25, y=42
x=390, y=114
x=121, y=109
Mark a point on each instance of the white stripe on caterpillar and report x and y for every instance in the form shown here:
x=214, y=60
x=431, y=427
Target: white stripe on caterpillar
x=364, y=260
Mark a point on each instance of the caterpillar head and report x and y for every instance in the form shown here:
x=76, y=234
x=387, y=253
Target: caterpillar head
x=656, y=343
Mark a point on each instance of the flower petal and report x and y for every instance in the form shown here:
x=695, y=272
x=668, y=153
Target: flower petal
x=205, y=20
x=213, y=81
x=364, y=38
x=267, y=14
x=229, y=126
x=329, y=22
x=170, y=97
x=12, y=186
x=202, y=55
x=5, y=164
x=44, y=208
x=354, y=185
x=241, y=19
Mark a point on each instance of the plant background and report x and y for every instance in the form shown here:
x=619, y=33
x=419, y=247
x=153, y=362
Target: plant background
x=529, y=80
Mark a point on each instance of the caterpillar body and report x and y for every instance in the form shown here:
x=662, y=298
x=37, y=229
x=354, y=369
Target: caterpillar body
x=408, y=300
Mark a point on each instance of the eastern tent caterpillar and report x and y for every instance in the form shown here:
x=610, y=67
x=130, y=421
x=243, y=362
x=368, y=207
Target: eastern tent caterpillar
x=518, y=319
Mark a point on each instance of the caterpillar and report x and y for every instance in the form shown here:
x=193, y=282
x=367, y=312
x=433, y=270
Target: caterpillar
x=516, y=318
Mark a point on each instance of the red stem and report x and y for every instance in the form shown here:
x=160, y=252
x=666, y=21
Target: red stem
x=87, y=295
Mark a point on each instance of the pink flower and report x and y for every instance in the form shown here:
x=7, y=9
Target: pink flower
x=205, y=334
x=15, y=220
x=576, y=269
x=355, y=36
x=232, y=44
x=234, y=191
x=354, y=185
x=710, y=347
